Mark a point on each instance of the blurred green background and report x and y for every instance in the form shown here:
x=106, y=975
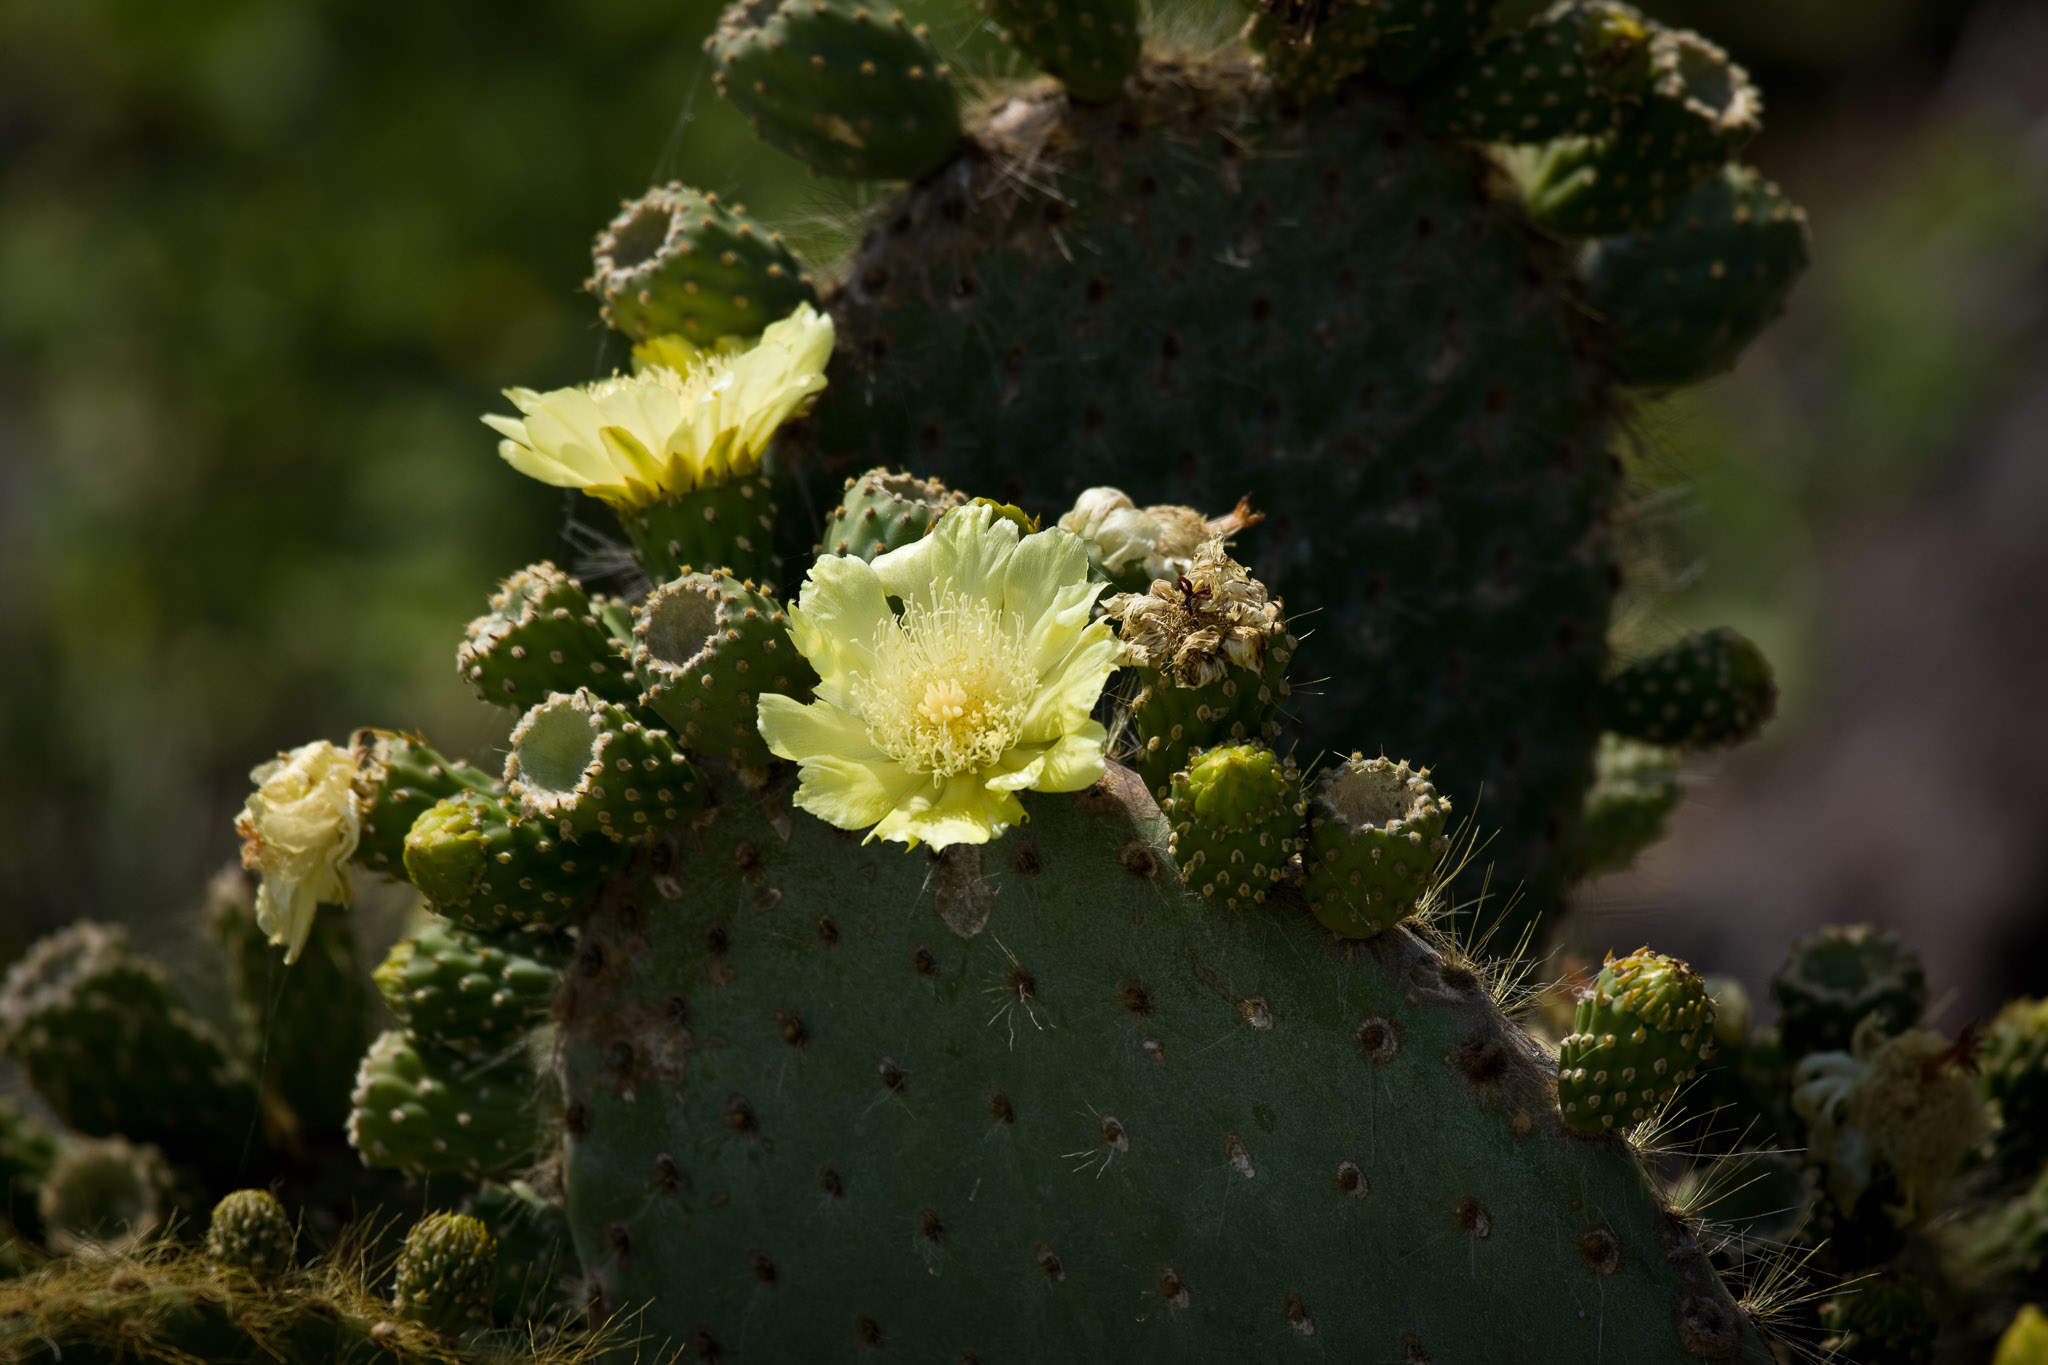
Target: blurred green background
x=263, y=263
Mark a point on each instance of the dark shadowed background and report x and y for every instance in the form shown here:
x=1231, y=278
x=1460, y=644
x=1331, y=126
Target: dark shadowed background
x=263, y=263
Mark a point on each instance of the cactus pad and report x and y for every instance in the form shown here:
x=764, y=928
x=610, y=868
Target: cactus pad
x=251, y=1231
x=884, y=511
x=990, y=1103
x=1708, y=690
x=1643, y=1028
x=1682, y=299
x=470, y=993
x=679, y=262
x=706, y=647
x=1575, y=70
x=845, y=90
x=586, y=768
x=1376, y=836
x=542, y=636
x=1236, y=816
x=101, y=1036
x=446, y=1274
x=1830, y=980
x=425, y=1111
x=1090, y=45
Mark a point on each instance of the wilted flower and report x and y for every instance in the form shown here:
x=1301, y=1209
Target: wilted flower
x=299, y=828
x=1192, y=627
x=928, y=721
x=702, y=416
x=1162, y=540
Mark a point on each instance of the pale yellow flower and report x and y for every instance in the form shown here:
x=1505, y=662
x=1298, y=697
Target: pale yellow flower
x=299, y=829
x=930, y=719
x=702, y=418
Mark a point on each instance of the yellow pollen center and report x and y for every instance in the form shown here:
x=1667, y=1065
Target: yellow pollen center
x=950, y=687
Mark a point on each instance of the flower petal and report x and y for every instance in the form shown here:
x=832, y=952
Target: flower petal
x=1073, y=763
x=835, y=621
x=962, y=810
x=966, y=553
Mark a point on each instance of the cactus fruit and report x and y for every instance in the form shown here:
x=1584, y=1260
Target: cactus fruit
x=542, y=636
x=1642, y=1029
x=705, y=646
x=1376, y=836
x=586, y=769
x=1235, y=814
x=484, y=865
x=251, y=1231
x=104, y=1196
x=1575, y=70
x=1210, y=654
x=1089, y=45
x=424, y=1110
x=2012, y=1061
x=1635, y=787
x=843, y=90
x=679, y=262
x=397, y=779
x=303, y=1026
x=1831, y=980
x=106, y=1042
x=470, y=993
x=1710, y=689
x=446, y=1274
x=884, y=511
x=1683, y=298
x=1698, y=110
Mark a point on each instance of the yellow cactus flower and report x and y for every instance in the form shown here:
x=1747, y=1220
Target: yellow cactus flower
x=695, y=417
x=299, y=828
x=930, y=719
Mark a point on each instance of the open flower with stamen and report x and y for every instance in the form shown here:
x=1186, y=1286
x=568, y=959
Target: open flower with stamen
x=299, y=829
x=929, y=719
x=691, y=417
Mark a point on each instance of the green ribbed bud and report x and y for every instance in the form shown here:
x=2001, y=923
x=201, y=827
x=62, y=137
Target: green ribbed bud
x=446, y=1274
x=1236, y=816
x=251, y=1231
x=104, y=1196
x=1642, y=1029
x=103, y=1038
x=2012, y=1064
x=397, y=779
x=1683, y=299
x=1635, y=787
x=678, y=262
x=1576, y=69
x=707, y=647
x=471, y=993
x=1830, y=980
x=1313, y=61
x=586, y=768
x=884, y=511
x=427, y=1111
x=482, y=864
x=542, y=636
x=1376, y=836
x=843, y=89
x=1700, y=110
x=1090, y=45
x=1710, y=689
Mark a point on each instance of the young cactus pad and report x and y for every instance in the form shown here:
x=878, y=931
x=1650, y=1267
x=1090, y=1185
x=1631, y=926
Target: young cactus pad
x=1038, y=1100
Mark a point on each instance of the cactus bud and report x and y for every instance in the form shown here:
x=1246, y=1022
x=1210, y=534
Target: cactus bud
x=884, y=511
x=1643, y=1027
x=1831, y=980
x=1708, y=690
x=251, y=1231
x=585, y=767
x=446, y=1274
x=542, y=636
x=1236, y=814
x=483, y=865
x=679, y=262
x=706, y=647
